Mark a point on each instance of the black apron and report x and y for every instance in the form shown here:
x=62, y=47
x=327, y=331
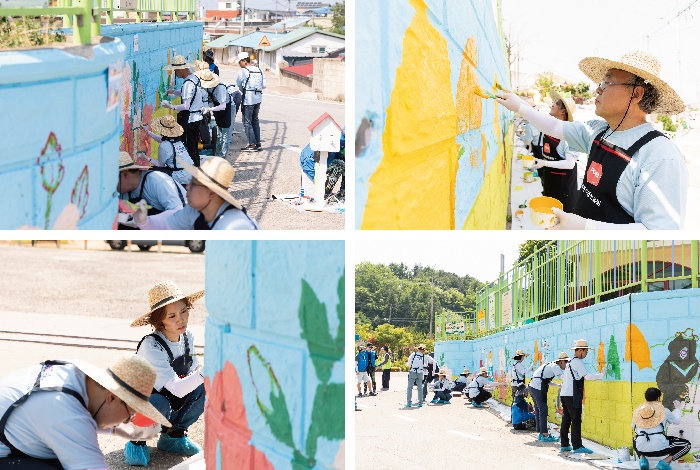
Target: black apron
x=201, y=222
x=560, y=183
x=223, y=118
x=537, y=153
x=597, y=199
x=181, y=366
x=14, y=452
x=544, y=387
x=578, y=388
x=184, y=116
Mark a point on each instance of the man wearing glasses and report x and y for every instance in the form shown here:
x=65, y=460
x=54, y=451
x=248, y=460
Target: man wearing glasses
x=51, y=413
x=635, y=177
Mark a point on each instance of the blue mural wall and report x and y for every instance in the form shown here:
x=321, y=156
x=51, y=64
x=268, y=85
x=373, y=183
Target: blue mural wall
x=639, y=341
x=275, y=348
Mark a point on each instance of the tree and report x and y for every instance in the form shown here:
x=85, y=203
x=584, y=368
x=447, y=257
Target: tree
x=544, y=84
x=668, y=124
x=338, y=20
x=583, y=90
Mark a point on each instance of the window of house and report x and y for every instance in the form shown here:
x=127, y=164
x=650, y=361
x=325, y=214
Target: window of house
x=228, y=5
x=321, y=49
x=314, y=49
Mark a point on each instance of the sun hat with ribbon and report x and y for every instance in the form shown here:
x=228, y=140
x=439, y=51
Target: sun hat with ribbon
x=131, y=378
x=421, y=347
x=643, y=65
x=442, y=372
x=569, y=104
x=519, y=352
x=649, y=414
x=217, y=175
x=580, y=344
x=199, y=65
x=167, y=126
x=207, y=78
x=179, y=62
x=162, y=294
x=466, y=372
x=482, y=370
x=563, y=357
x=128, y=163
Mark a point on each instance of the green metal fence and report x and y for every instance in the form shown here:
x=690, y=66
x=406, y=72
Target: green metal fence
x=566, y=275
x=85, y=16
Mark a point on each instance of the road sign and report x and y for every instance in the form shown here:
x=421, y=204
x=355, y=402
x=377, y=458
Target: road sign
x=264, y=41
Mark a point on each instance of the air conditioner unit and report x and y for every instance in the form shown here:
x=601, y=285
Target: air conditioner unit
x=126, y=4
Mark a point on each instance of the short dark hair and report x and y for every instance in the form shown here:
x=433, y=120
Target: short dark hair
x=134, y=170
x=651, y=98
x=652, y=394
x=517, y=358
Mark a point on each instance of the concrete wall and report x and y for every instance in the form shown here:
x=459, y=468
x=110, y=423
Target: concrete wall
x=275, y=368
x=329, y=78
x=60, y=146
x=640, y=341
x=438, y=155
x=296, y=81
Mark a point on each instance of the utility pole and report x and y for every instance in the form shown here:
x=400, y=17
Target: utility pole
x=242, y=17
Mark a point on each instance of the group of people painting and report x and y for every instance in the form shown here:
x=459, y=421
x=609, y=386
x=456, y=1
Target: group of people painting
x=177, y=191
x=52, y=413
x=635, y=177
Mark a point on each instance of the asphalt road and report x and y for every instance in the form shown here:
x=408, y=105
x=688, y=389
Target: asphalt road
x=276, y=170
x=75, y=304
x=388, y=435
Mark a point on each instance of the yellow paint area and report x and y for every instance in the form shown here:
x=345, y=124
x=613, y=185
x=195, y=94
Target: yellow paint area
x=469, y=93
x=413, y=186
x=636, y=348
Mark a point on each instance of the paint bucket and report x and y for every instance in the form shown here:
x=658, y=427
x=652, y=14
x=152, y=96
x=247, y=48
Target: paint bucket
x=623, y=454
x=528, y=161
x=541, y=213
x=528, y=177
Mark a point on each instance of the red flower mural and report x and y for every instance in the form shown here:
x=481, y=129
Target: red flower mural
x=80, y=194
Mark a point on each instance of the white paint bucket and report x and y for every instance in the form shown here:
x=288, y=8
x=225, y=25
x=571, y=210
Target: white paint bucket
x=623, y=454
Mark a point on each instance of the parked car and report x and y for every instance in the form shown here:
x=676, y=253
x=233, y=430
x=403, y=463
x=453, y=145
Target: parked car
x=195, y=246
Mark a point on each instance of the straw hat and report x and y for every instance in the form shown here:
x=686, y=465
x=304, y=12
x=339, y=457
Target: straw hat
x=466, y=372
x=649, y=414
x=179, y=62
x=563, y=357
x=167, y=126
x=569, y=104
x=127, y=163
x=580, y=344
x=519, y=352
x=161, y=294
x=131, y=378
x=482, y=370
x=442, y=372
x=643, y=65
x=199, y=65
x=421, y=347
x=217, y=175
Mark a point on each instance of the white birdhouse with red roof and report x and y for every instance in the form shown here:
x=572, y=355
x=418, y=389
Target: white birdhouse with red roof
x=325, y=134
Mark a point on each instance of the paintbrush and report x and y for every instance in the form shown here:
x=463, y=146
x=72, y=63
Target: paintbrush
x=484, y=93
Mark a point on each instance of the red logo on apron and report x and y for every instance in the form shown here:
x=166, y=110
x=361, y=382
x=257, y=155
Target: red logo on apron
x=546, y=148
x=595, y=172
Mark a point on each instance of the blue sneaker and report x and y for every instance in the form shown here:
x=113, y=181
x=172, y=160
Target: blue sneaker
x=408, y=405
x=582, y=450
x=549, y=439
x=435, y=401
x=540, y=437
x=419, y=405
x=136, y=455
x=663, y=465
x=566, y=449
x=476, y=405
x=180, y=445
x=446, y=402
x=643, y=464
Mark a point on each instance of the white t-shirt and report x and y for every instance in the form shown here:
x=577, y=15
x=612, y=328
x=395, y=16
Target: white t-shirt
x=546, y=371
x=657, y=441
x=160, y=191
x=417, y=361
x=567, y=385
x=254, y=86
x=520, y=372
x=167, y=151
x=473, y=387
x=154, y=353
x=188, y=93
x=51, y=425
x=232, y=219
x=654, y=187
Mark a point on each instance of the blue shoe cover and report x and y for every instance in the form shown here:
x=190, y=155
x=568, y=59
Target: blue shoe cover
x=566, y=449
x=582, y=450
x=435, y=401
x=136, y=455
x=446, y=402
x=663, y=465
x=476, y=405
x=643, y=464
x=179, y=445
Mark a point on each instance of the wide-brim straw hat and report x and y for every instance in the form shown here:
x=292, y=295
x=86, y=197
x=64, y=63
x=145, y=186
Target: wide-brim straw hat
x=563, y=357
x=162, y=294
x=198, y=65
x=167, y=126
x=217, y=175
x=179, y=62
x=482, y=370
x=519, y=352
x=649, y=414
x=128, y=163
x=569, y=104
x=421, y=347
x=131, y=378
x=207, y=78
x=643, y=65
x=466, y=372
x=580, y=344
x=442, y=372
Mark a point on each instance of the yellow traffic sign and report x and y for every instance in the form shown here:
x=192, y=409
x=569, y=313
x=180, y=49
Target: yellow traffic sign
x=264, y=41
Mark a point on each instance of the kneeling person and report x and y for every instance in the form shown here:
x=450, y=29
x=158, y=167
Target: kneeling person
x=520, y=412
x=442, y=388
x=477, y=388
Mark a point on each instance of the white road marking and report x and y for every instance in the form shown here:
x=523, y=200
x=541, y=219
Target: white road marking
x=476, y=438
x=291, y=147
x=559, y=459
x=364, y=406
x=405, y=417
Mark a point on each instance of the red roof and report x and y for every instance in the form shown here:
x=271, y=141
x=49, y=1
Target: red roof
x=321, y=119
x=303, y=70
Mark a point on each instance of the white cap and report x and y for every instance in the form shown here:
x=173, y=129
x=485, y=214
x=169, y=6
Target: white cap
x=242, y=55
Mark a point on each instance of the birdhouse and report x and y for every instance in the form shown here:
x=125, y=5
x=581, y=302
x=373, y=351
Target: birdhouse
x=325, y=134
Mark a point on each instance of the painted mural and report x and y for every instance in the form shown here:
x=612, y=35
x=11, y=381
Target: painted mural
x=277, y=398
x=650, y=340
x=437, y=153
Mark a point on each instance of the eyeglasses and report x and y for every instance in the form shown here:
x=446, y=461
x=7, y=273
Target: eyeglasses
x=131, y=416
x=604, y=85
x=192, y=184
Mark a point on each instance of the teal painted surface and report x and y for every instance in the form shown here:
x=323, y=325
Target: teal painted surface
x=276, y=313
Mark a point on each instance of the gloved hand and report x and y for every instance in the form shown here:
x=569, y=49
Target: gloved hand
x=206, y=110
x=676, y=404
x=165, y=104
x=594, y=376
x=127, y=431
x=570, y=221
x=199, y=370
x=511, y=101
x=537, y=164
x=141, y=214
x=170, y=91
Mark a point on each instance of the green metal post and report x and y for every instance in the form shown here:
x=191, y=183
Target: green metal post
x=643, y=272
x=536, y=282
x=67, y=19
x=82, y=28
x=561, y=278
x=96, y=18
x=110, y=12
x=694, y=262
x=138, y=11
x=597, y=271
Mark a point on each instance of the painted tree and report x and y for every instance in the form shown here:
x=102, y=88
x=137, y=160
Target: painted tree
x=613, y=369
